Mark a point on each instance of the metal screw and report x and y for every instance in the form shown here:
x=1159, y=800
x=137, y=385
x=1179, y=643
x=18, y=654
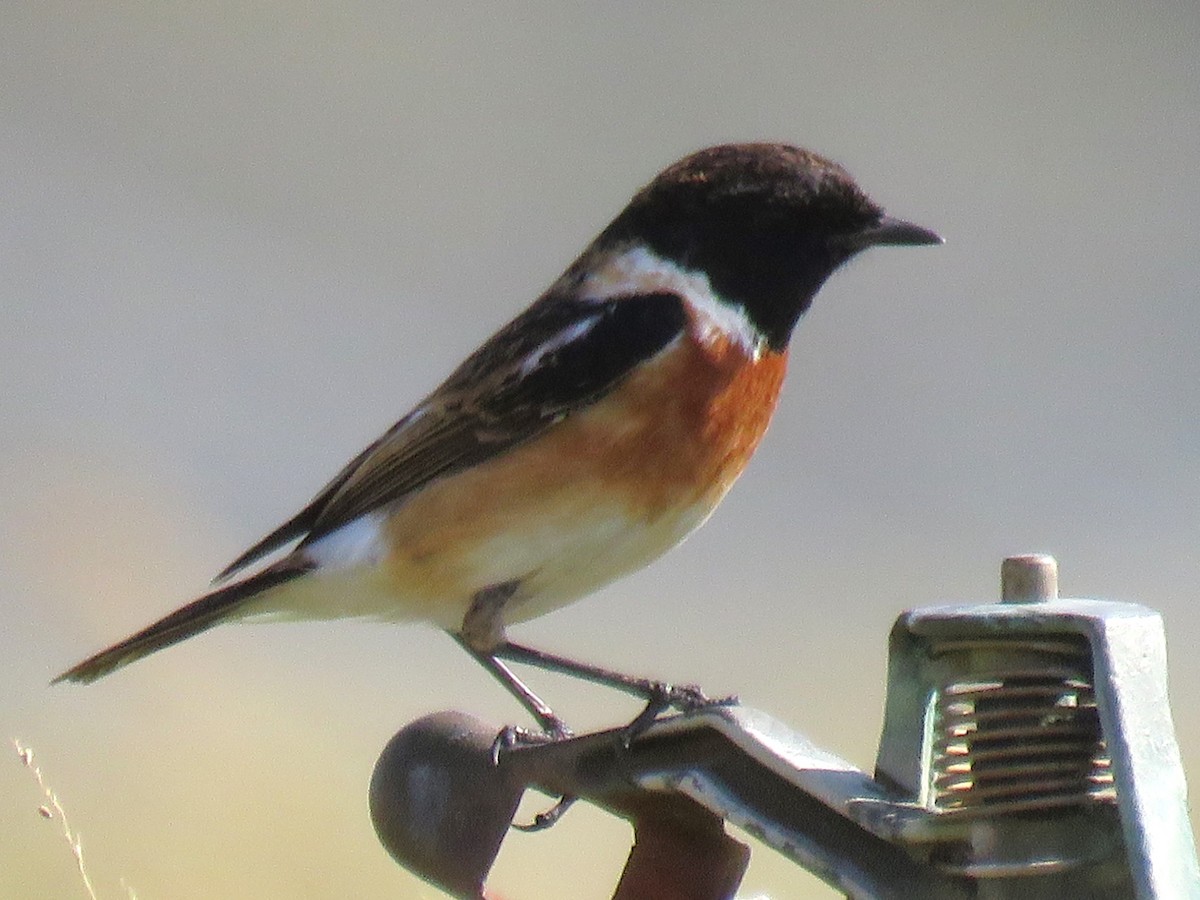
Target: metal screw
x=1030, y=578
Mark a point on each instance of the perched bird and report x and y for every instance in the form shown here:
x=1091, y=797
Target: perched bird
x=584, y=439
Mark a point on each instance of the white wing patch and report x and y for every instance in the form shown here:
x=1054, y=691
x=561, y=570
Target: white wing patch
x=639, y=270
x=356, y=543
x=562, y=339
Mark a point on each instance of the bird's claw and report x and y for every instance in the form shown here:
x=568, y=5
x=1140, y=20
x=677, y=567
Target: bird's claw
x=512, y=736
x=547, y=818
x=662, y=696
x=689, y=698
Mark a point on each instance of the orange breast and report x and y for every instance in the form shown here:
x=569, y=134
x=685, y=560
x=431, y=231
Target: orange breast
x=599, y=494
x=687, y=424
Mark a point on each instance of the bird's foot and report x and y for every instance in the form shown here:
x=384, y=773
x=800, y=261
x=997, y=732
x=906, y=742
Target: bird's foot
x=662, y=696
x=511, y=736
x=546, y=818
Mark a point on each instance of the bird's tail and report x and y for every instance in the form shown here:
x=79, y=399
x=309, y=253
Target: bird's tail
x=197, y=616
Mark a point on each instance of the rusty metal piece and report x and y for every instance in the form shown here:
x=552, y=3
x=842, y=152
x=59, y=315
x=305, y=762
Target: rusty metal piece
x=440, y=805
x=677, y=858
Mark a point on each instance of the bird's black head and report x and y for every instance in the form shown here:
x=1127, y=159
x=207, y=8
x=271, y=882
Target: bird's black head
x=767, y=223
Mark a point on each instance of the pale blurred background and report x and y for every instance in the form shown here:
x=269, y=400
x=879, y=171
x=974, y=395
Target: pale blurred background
x=239, y=240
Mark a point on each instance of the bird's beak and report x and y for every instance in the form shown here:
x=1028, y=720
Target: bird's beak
x=895, y=232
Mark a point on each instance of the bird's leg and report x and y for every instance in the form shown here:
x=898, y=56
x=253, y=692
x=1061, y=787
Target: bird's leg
x=659, y=695
x=684, y=697
x=482, y=629
x=553, y=727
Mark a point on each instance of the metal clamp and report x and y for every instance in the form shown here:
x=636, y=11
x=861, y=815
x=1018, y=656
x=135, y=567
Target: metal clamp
x=1027, y=751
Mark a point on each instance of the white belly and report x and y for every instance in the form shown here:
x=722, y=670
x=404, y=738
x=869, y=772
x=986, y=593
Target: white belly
x=555, y=562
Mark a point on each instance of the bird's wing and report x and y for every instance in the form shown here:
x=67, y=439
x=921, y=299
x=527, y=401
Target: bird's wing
x=560, y=355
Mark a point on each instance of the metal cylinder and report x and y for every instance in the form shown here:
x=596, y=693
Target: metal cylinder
x=1030, y=578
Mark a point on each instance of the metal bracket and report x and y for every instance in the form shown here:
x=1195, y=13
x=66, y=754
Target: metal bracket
x=1027, y=751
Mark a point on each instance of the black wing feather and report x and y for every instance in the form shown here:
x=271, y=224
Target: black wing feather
x=560, y=355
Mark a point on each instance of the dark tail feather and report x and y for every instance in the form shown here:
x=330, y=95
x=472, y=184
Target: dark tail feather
x=197, y=616
x=295, y=527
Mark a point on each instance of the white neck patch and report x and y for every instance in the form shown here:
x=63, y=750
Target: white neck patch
x=639, y=270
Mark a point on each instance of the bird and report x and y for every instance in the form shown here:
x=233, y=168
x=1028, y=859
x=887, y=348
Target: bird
x=583, y=440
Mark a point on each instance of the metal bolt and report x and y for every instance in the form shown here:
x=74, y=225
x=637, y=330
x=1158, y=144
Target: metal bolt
x=1030, y=578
